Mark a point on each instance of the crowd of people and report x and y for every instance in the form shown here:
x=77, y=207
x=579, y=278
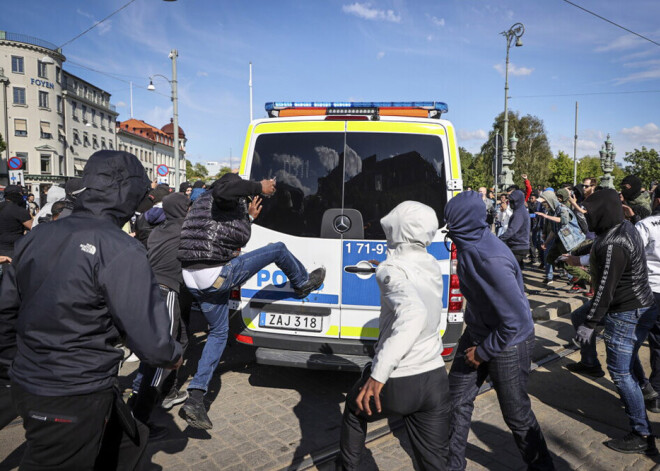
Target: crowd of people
x=116, y=262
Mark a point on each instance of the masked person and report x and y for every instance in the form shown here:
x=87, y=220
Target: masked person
x=636, y=203
x=623, y=302
x=407, y=376
x=74, y=288
x=498, y=339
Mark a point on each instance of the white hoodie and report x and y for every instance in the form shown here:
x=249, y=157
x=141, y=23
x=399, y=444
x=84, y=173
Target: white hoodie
x=55, y=194
x=649, y=229
x=410, y=282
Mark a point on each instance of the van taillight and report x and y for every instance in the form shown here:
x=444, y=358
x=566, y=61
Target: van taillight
x=235, y=294
x=244, y=339
x=455, y=295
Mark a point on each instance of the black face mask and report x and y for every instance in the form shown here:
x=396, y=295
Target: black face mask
x=15, y=198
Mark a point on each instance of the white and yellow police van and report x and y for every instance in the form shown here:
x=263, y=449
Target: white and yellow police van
x=339, y=168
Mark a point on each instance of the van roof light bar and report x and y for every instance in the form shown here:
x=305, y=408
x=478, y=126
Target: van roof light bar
x=431, y=109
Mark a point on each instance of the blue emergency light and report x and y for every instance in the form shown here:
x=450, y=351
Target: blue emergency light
x=427, y=105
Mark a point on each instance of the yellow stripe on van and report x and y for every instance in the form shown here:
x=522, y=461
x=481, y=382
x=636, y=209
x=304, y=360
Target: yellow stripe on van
x=360, y=332
x=389, y=126
x=333, y=331
x=246, y=146
x=453, y=152
x=300, y=126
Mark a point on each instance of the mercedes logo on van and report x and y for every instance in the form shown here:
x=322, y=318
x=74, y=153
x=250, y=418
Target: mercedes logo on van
x=342, y=223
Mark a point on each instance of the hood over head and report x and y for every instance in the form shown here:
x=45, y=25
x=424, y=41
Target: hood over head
x=114, y=184
x=564, y=194
x=176, y=205
x=465, y=214
x=517, y=199
x=184, y=186
x=410, y=223
x=199, y=184
x=72, y=186
x=604, y=210
x=56, y=193
x=549, y=197
x=635, y=187
x=160, y=192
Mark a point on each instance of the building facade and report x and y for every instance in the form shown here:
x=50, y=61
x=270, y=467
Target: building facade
x=153, y=146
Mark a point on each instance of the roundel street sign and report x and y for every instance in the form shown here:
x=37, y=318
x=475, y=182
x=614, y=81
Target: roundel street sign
x=162, y=170
x=15, y=163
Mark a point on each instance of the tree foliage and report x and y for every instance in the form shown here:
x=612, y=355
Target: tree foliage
x=475, y=170
x=561, y=170
x=196, y=171
x=222, y=171
x=645, y=164
x=3, y=145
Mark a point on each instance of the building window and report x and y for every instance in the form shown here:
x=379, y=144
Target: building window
x=111, y=126
x=110, y=145
x=45, y=130
x=57, y=74
x=17, y=65
x=74, y=110
x=95, y=142
x=85, y=139
x=24, y=158
x=60, y=133
x=59, y=104
x=84, y=113
x=76, y=137
x=43, y=99
x=93, y=117
x=20, y=127
x=61, y=169
x=19, y=96
x=101, y=118
x=42, y=69
x=45, y=164
x=103, y=146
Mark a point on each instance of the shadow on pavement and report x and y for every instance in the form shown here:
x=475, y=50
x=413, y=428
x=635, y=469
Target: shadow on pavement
x=319, y=410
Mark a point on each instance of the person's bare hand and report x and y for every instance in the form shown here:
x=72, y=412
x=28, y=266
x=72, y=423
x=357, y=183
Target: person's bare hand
x=254, y=208
x=472, y=358
x=4, y=259
x=268, y=186
x=628, y=211
x=524, y=175
x=539, y=213
x=572, y=260
x=370, y=389
x=543, y=246
x=154, y=184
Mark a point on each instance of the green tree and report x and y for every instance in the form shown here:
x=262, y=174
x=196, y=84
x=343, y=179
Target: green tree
x=475, y=170
x=222, y=171
x=533, y=154
x=196, y=171
x=561, y=170
x=3, y=146
x=645, y=164
x=589, y=167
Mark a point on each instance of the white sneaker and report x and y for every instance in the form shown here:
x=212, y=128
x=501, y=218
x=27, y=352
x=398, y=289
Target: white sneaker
x=133, y=357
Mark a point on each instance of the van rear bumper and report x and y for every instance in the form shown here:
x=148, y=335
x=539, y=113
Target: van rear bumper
x=311, y=360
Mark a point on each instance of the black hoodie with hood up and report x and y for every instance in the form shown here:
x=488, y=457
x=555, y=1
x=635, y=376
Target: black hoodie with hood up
x=78, y=285
x=516, y=235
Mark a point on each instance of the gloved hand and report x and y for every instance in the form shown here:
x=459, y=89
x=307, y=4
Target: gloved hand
x=583, y=335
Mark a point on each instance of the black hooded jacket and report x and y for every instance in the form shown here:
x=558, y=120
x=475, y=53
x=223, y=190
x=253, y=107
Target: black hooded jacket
x=76, y=286
x=618, y=259
x=516, y=236
x=163, y=243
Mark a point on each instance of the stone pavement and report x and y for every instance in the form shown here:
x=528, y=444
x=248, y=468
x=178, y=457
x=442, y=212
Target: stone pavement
x=271, y=418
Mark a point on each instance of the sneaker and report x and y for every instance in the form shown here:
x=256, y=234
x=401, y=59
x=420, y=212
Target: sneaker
x=195, y=414
x=653, y=405
x=649, y=392
x=589, y=294
x=547, y=281
x=132, y=397
x=173, y=398
x=576, y=287
x=582, y=369
x=315, y=281
x=633, y=443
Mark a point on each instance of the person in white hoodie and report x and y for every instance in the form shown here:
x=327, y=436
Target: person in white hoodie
x=55, y=194
x=407, y=376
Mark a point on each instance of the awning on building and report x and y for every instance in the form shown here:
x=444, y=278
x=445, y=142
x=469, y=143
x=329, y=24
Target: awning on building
x=79, y=167
x=20, y=124
x=45, y=127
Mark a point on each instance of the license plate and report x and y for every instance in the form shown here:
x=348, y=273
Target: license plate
x=273, y=320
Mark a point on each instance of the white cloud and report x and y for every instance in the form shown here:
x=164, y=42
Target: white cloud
x=472, y=135
x=201, y=73
x=364, y=10
x=652, y=72
x=437, y=21
x=120, y=104
x=158, y=116
x=380, y=55
x=513, y=70
x=429, y=37
x=649, y=134
x=621, y=43
x=101, y=28
x=329, y=157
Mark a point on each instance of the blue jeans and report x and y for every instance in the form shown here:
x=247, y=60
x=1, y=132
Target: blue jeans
x=213, y=301
x=654, y=347
x=549, y=269
x=509, y=372
x=624, y=334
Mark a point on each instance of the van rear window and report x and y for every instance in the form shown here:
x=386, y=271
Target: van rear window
x=368, y=172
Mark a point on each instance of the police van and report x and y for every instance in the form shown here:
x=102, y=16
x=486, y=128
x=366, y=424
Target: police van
x=339, y=168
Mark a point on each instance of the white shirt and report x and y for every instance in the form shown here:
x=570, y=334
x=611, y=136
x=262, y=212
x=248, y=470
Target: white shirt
x=201, y=278
x=649, y=230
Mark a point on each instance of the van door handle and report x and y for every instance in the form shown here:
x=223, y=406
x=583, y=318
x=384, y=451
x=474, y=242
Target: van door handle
x=359, y=269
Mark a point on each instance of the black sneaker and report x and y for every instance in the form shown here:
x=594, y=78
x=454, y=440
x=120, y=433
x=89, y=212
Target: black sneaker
x=315, y=281
x=195, y=414
x=633, y=443
x=653, y=405
x=649, y=392
x=173, y=398
x=582, y=369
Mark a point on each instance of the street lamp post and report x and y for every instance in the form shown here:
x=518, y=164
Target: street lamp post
x=175, y=112
x=516, y=31
x=607, y=156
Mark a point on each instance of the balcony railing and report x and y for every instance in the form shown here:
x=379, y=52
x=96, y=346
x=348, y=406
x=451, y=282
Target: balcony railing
x=23, y=38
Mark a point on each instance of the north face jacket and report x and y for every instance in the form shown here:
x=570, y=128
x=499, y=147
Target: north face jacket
x=78, y=285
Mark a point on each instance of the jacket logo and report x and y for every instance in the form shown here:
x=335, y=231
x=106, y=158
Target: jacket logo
x=89, y=248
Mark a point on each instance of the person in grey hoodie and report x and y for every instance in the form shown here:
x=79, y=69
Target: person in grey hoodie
x=407, y=376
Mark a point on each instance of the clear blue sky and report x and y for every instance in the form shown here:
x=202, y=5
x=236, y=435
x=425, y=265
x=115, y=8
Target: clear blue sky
x=446, y=50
